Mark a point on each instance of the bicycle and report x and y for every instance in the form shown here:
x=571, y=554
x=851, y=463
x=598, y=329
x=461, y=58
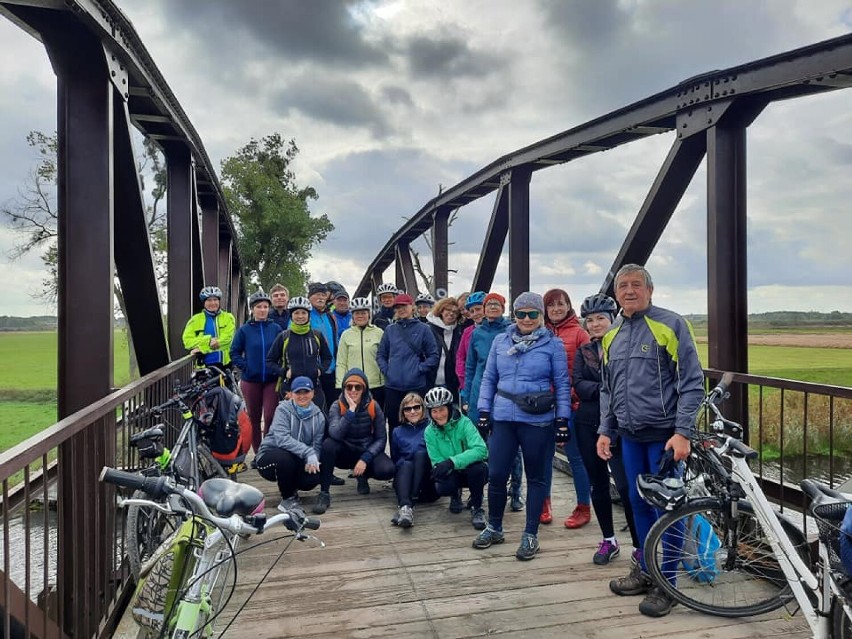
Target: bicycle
x=184, y=592
x=755, y=560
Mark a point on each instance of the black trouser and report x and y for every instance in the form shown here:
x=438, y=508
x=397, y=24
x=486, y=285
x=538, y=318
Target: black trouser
x=337, y=454
x=378, y=395
x=393, y=398
x=282, y=466
x=474, y=477
x=598, y=470
x=412, y=482
x=327, y=381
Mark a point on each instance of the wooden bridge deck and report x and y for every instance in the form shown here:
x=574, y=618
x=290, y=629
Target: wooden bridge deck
x=375, y=580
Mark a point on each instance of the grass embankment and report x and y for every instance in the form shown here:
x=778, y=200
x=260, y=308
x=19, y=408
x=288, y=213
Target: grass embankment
x=28, y=382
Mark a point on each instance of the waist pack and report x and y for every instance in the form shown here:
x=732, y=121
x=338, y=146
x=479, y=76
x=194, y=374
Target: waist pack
x=532, y=403
x=699, y=549
x=226, y=423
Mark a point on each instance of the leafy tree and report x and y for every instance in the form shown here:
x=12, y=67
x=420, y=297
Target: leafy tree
x=275, y=229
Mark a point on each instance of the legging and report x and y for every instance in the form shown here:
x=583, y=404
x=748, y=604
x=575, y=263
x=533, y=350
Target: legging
x=473, y=476
x=537, y=444
x=412, y=481
x=336, y=454
x=261, y=401
x=287, y=469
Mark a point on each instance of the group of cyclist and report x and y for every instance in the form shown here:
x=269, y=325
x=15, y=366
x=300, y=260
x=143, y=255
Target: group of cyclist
x=463, y=397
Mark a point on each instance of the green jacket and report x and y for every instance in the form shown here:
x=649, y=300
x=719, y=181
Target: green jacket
x=458, y=440
x=357, y=349
x=194, y=337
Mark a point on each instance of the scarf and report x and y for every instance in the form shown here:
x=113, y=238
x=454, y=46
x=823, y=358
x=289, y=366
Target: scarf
x=300, y=329
x=303, y=413
x=523, y=343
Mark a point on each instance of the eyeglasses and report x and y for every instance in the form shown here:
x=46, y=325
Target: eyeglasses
x=412, y=409
x=354, y=387
x=525, y=314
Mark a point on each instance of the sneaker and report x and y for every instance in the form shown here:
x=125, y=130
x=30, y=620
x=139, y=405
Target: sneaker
x=477, y=518
x=607, y=551
x=516, y=504
x=337, y=481
x=405, y=517
x=395, y=519
x=289, y=504
x=528, y=548
x=635, y=583
x=456, y=505
x=581, y=516
x=487, y=538
x=322, y=503
x=656, y=603
x=363, y=486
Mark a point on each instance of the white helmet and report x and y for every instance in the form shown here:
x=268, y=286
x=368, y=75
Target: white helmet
x=299, y=302
x=438, y=396
x=360, y=304
x=210, y=291
x=425, y=298
x=386, y=288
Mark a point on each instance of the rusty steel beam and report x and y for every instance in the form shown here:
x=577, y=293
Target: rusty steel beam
x=440, y=252
x=519, y=232
x=495, y=239
x=181, y=295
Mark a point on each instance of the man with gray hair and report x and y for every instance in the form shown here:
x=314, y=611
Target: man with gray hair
x=652, y=385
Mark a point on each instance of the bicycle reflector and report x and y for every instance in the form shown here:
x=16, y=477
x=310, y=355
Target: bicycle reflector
x=666, y=493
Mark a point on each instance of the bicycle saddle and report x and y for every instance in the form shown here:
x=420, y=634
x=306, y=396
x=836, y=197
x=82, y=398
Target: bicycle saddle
x=227, y=497
x=155, y=432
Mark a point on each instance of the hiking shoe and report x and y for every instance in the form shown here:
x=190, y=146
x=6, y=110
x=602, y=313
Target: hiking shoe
x=581, y=516
x=487, y=538
x=405, y=517
x=477, y=518
x=322, y=503
x=363, y=486
x=635, y=583
x=656, y=603
x=337, y=481
x=516, y=504
x=456, y=505
x=528, y=548
x=290, y=503
x=607, y=551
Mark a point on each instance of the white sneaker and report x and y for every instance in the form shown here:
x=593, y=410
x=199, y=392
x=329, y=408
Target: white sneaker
x=406, y=517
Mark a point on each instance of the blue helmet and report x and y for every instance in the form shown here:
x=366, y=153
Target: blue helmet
x=210, y=291
x=474, y=299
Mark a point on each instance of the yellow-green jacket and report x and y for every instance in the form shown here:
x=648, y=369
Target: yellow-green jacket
x=357, y=349
x=194, y=337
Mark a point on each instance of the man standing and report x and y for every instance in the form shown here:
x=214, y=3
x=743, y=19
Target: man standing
x=341, y=313
x=280, y=298
x=651, y=389
x=322, y=320
x=384, y=316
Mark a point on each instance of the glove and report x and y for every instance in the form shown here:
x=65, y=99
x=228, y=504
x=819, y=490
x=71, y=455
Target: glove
x=484, y=425
x=442, y=470
x=563, y=433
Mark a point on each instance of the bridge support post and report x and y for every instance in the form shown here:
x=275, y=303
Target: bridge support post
x=440, y=252
x=210, y=240
x=182, y=299
x=519, y=232
x=495, y=239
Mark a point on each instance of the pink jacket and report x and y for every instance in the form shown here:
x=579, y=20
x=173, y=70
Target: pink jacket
x=461, y=355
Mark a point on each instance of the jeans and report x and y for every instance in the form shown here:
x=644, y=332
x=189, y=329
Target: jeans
x=537, y=444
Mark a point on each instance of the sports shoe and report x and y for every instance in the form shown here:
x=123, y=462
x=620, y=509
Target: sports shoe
x=607, y=551
x=528, y=548
x=635, y=583
x=656, y=603
x=477, y=518
x=516, y=503
x=395, y=518
x=322, y=503
x=405, y=518
x=289, y=504
x=546, y=512
x=337, y=481
x=456, y=505
x=581, y=516
x=487, y=538
x=363, y=486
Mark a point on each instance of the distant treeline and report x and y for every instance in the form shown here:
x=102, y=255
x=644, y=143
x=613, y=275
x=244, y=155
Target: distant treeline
x=37, y=323
x=788, y=318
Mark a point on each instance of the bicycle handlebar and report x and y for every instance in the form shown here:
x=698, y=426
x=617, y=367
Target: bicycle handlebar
x=185, y=392
x=154, y=486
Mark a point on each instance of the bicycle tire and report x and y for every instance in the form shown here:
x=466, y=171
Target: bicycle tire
x=841, y=625
x=145, y=530
x=754, y=586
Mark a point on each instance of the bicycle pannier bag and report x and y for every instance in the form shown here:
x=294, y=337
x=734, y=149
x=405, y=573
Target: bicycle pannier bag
x=699, y=549
x=226, y=423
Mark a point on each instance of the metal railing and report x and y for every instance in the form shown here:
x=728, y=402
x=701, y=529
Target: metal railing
x=64, y=572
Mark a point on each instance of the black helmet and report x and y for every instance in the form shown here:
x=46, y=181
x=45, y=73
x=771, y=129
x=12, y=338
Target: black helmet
x=257, y=297
x=665, y=493
x=598, y=303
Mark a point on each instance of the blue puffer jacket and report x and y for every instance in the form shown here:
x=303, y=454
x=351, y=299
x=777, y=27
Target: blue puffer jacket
x=407, y=440
x=249, y=348
x=542, y=368
x=477, y=354
x=408, y=355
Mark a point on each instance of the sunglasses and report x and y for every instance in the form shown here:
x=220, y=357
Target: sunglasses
x=354, y=387
x=411, y=409
x=526, y=314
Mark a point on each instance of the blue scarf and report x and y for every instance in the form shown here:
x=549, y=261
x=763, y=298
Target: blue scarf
x=523, y=343
x=303, y=413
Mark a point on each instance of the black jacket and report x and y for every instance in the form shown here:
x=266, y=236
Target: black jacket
x=306, y=355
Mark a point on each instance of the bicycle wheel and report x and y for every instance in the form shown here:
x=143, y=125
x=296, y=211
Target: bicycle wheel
x=841, y=624
x=145, y=529
x=754, y=585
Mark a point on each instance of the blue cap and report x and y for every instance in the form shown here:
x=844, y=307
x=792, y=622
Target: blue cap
x=301, y=383
x=475, y=299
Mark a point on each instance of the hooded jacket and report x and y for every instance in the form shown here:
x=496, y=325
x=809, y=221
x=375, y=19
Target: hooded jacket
x=301, y=436
x=358, y=349
x=358, y=429
x=458, y=440
x=480, y=345
x=446, y=353
x=249, y=348
x=407, y=355
x=407, y=440
x=541, y=368
x=195, y=334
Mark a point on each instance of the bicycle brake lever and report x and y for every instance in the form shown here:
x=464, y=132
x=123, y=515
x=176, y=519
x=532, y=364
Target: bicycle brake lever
x=303, y=536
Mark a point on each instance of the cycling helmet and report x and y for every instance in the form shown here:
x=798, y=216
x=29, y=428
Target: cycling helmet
x=299, y=302
x=598, y=303
x=257, y=297
x=386, y=288
x=336, y=289
x=665, y=493
x=360, y=304
x=424, y=298
x=475, y=299
x=437, y=397
x=210, y=291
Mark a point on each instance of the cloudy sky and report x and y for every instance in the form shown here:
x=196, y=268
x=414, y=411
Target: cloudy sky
x=389, y=100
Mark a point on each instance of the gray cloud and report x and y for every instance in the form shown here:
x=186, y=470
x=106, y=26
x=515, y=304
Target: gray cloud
x=447, y=56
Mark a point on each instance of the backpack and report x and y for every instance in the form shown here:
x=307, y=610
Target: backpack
x=700, y=545
x=225, y=422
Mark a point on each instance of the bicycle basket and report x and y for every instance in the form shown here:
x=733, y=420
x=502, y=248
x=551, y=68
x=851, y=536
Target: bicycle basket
x=829, y=518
